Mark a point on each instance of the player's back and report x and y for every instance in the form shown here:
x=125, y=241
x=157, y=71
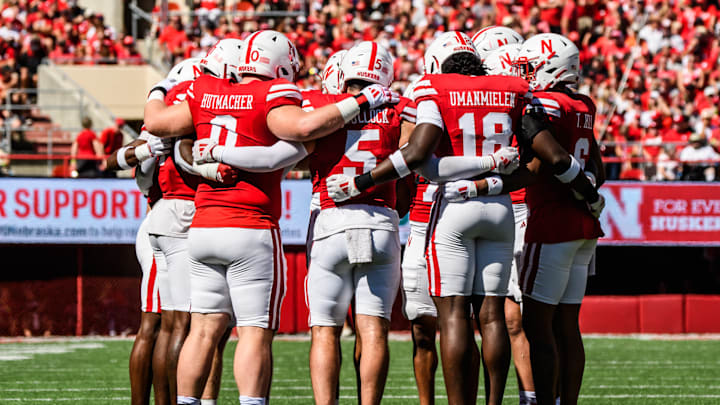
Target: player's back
x=480, y=113
x=555, y=215
x=234, y=114
x=366, y=140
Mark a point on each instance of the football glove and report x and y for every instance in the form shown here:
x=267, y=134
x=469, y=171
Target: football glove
x=507, y=159
x=461, y=190
x=153, y=147
x=207, y=151
x=341, y=187
x=375, y=95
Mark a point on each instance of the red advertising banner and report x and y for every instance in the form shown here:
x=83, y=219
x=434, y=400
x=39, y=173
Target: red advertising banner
x=677, y=213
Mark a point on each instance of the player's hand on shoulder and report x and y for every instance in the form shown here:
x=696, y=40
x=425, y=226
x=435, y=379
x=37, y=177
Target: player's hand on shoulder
x=460, y=190
x=164, y=85
x=341, y=187
x=507, y=159
x=206, y=151
x=376, y=95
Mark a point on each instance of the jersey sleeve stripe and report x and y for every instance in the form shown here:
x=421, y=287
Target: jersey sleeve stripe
x=291, y=94
x=409, y=110
x=424, y=92
x=279, y=87
x=548, y=102
x=423, y=83
x=409, y=118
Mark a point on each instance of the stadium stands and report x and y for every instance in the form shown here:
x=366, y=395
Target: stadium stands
x=651, y=67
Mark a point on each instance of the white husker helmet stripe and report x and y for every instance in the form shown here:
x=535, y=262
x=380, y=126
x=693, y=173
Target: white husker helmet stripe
x=270, y=54
x=223, y=58
x=490, y=38
x=445, y=45
x=367, y=61
x=186, y=70
x=549, y=59
x=502, y=61
x=331, y=73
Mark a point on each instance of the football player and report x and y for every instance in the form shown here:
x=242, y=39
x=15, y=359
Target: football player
x=356, y=250
x=237, y=262
x=462, y=113
x=501, y=61
x=170, y=223
x=564, y=205
x=147, y=360
x=493, y=37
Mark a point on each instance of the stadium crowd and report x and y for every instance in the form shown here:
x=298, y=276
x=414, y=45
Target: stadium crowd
x=671, y=91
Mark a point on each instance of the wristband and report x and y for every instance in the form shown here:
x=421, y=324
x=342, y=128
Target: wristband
x=398, y=162
x=156, y=94
x=364, y=181
x=349, y=108
x=495, y=185
x=362, y=100
x=121, y=158
x=569, y=175
x=142, y=152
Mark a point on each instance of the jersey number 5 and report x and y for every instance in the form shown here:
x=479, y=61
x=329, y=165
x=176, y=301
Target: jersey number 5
x=355, y=154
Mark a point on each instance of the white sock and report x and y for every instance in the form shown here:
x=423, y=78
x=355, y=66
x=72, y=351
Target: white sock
x=245, y=400
x=527, y=398
x=208, y=402
x=187, y=400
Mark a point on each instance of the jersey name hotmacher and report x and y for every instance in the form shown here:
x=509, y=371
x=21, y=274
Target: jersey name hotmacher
x=479, y=98
x=227, y=102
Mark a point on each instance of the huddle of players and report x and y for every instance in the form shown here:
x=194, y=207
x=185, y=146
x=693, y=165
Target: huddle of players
x=250, y=122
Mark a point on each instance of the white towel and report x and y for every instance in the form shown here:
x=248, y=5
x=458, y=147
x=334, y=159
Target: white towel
x=359, y=245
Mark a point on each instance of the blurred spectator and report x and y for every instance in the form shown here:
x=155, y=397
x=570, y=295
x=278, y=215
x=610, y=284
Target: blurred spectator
x=111, y=139
x=699, y=159
x=85, y=152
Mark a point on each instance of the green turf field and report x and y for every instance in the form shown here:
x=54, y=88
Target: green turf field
x=618, y=371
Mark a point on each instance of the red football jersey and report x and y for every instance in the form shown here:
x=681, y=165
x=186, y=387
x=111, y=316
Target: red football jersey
x=422, y=201
x=174, y=182
x=366, y=140
x=480, y=113
x=236, y=115
x=311, y=99
x=555, y=215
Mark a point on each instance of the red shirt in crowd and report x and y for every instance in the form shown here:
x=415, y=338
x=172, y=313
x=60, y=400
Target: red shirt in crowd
x=85, y=144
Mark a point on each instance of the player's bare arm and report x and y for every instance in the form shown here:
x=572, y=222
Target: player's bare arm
x=126, y=153
x=167, y=121
x=595, y=164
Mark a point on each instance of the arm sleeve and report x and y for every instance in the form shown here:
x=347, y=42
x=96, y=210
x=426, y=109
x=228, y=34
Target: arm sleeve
x=453, y=168
x=260, y=159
